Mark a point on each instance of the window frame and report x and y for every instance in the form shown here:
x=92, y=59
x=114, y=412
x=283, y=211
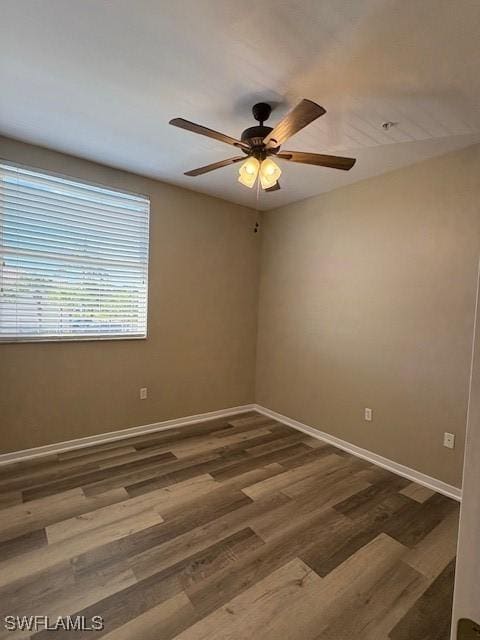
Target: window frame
x=81, y=338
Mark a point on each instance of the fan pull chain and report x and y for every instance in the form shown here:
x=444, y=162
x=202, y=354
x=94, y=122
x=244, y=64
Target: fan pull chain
x=257, y=223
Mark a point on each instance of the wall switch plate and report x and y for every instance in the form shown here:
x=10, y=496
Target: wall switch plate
x=368, y=414
x=143, y=393
x=449, y=440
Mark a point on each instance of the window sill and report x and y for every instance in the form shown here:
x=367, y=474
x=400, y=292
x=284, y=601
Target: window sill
x=72, y=339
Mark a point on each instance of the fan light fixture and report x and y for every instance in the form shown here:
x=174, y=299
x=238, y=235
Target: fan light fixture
x=248, y=172
x=251, y=168
x=269, y=173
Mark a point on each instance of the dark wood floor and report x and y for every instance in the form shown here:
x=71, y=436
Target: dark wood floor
x=238, y=528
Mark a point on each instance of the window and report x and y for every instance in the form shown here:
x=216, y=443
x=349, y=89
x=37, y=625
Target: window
x=73, y=259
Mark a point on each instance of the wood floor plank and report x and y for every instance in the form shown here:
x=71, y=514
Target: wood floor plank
x=437, y=549
x=24, y=518
x=250, y=419
x=187, y=472
x=430, y=617
x=354, y=581
x=28, y=594
x=11, y=470
x=50, y=471
x=213, y=505
x=219, y=556
x=293, y=587
x=123, y=606
x=253, y=476
x=323, y=557
x=59, y=595
x=24, y=543
x=119, y=479
x=87, y=455
x=79, y=480
x=9, y=499
x=271, y=439
x=411, y=525
x=278, y=522
x=203, y=444
x=333, y=470
x=162, y=622
x=417, y=492
x=372, y=615
x=131, y=508
x=314, y=442
x=364, y=501
x=314, y=454
x=264, y=425
x=247, y=464
x=290, y=476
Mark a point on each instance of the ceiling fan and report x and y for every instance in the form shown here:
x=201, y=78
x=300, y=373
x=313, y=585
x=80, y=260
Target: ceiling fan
x=259, y=143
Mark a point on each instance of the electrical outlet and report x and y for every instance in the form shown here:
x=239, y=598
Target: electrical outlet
x=143, y=393
x=449, y=440
x=368, y=414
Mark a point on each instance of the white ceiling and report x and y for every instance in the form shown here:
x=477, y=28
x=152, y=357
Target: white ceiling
x=100, y=79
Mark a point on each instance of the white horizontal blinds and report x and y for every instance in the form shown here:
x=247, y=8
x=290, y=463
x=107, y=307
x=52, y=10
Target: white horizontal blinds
x=73, y=259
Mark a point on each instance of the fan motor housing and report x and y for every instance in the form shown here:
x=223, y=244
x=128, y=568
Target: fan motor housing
x=254, y=137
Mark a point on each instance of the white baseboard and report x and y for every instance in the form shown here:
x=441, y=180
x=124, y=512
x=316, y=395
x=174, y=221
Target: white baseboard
x=80, y=443
x=395, y=467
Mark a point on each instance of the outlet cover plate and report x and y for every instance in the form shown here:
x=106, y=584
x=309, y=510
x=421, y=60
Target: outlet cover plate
x=449, y=440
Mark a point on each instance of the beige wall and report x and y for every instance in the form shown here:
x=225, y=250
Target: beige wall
x=200, y=353
x=367, y=300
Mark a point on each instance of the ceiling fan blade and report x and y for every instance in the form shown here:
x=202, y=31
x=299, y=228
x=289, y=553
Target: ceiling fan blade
x=275, y=187
x=213, y=166
x=204, y=131
x=319, y=159
x=304, y=113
